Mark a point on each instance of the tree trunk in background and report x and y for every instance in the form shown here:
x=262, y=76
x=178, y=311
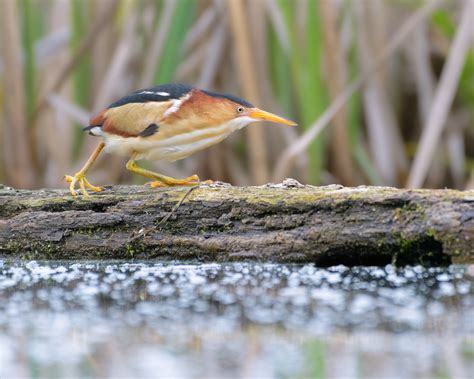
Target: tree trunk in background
x=287, y=222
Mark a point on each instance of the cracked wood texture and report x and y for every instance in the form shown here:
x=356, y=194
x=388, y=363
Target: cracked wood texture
x=288, y=222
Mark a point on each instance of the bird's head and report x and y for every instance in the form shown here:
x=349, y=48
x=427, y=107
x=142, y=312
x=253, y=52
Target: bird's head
x=229, y=108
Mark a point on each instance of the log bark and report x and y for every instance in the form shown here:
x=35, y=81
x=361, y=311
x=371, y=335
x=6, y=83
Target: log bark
x=287, y=222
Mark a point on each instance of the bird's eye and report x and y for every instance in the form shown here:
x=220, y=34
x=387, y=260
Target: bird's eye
x=240, y=109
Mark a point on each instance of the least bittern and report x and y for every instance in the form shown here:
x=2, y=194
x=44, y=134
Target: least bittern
x=167, y=122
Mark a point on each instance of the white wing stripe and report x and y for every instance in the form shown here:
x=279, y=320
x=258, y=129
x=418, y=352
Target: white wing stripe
x=176, y=105
x=154, y=93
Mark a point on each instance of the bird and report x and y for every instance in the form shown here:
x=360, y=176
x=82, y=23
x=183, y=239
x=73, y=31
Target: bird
x=166, y=123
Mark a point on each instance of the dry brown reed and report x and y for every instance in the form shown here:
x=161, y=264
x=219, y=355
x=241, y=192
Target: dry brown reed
x=392, y=81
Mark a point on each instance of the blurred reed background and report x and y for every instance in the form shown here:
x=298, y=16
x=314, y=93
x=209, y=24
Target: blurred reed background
x=383, y=90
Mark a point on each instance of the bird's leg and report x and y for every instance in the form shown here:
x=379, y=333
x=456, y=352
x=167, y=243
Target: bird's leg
x=161, y=180
x=80, y=176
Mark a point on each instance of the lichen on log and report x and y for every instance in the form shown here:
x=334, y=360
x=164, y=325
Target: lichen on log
x=286, y=222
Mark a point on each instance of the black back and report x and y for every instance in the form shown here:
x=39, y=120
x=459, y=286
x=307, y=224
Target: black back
x=167, y=92
x=173, y=91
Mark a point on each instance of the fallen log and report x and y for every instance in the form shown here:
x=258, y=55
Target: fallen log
x=286, y=222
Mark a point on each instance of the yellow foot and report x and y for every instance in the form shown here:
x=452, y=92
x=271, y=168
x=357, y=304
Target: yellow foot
x=83, y=184
x=170, y=182
x=190, y=183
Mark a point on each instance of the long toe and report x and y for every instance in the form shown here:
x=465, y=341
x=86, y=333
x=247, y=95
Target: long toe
x=156, y=184
x=190, y=180
x=92, y=187
x=82, y=182
x=180, y=183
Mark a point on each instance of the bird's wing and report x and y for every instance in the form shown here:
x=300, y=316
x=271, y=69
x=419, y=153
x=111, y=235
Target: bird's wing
x=135, y=119
x=139, y=113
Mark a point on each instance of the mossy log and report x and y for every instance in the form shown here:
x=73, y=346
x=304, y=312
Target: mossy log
x=286, y=222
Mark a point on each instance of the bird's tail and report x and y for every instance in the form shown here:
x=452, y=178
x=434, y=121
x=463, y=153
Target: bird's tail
x=95, y=127
x=94, y=130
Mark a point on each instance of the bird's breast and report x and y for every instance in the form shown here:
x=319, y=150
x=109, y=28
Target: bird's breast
x=170, y=145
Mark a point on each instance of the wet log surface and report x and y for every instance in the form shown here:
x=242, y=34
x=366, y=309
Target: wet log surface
x=276, y=223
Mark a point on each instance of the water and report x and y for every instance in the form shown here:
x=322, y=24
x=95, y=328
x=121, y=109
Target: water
x=151, y=319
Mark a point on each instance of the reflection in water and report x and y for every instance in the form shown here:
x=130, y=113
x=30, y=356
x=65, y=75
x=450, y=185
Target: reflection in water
x=240, y=320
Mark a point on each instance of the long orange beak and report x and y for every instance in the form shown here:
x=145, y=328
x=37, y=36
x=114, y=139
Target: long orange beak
x=267, y=116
